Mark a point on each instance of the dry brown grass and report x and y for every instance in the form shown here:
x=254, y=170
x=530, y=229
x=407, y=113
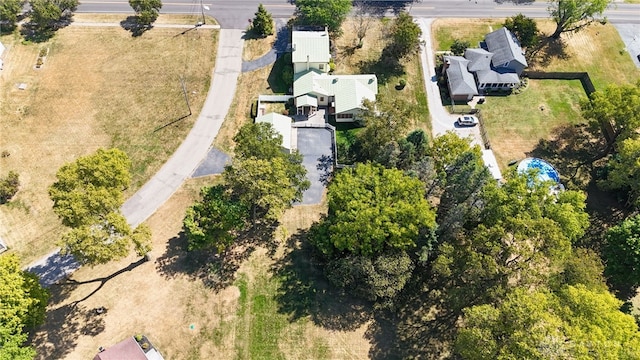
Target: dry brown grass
x=250, y=85
x=99, y=87
x=254, y=48
x=143, y=300
x=162, y=19
x=349, y=60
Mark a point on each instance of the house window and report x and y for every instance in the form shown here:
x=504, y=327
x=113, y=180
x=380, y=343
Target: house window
x=321, y=66
x=321, y=98
x=344, y=116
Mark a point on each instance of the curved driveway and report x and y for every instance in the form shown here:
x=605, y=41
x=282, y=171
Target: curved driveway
x=194, y=148
x=182, y=163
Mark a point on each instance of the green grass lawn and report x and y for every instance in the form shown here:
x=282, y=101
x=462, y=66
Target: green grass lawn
x=516, y=123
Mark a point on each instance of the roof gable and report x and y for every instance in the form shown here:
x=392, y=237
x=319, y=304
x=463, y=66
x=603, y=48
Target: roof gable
x=312, y=46
x=505, y=48
x=479, y=59
x=461, y=81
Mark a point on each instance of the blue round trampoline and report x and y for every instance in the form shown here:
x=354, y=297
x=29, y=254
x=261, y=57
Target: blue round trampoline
x=546, y=172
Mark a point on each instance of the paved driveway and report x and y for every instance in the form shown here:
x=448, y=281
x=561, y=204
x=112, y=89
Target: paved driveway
x=315, y=146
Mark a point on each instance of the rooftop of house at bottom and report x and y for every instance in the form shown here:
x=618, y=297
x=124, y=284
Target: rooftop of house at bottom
x=130, y=349
x=495, y=65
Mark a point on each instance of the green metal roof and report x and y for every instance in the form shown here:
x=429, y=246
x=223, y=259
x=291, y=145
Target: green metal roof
x=348, y=90
x=312, y=46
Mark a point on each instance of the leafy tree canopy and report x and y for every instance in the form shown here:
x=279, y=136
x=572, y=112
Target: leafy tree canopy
x=524, y=28
x=147, y=11
x=573, y=15
x=212, y=221
x=622, y=253
x=9, y=10
x=518, y=234
x=87, y=197
x=23, y=308
x=372, y=209
x=259, y=140
x=405, y=36
x=617, y=108
x=459, y=47
x=90, y=186
x=9, y=186
x=385, y=121
x=377, y=278
x=262, y=24
x=575, y=323
x=329, y=13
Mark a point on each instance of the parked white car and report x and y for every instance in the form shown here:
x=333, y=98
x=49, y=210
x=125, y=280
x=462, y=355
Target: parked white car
x=467, y=120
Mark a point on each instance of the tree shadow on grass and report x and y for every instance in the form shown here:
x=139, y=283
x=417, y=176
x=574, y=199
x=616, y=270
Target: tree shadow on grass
x=305, y=292
x=574, y=151
x=216, y=271
x=385, y=68
x=132, y=25
x=420, y=327
x=278, y=79
x=59, y=335
x=545, y=51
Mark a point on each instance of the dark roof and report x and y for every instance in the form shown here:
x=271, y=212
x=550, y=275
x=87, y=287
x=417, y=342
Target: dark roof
x=505, y=47
x=479, y=59
x=492, y=76
x=127, y=349
x=461, y=81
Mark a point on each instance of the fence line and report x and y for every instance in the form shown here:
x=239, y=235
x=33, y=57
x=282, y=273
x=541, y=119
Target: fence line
x=584, y=78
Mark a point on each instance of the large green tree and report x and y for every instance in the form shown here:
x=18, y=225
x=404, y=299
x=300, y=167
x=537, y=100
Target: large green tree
x=524, y=28
x=214, y=220
x=23, y=308
x=9, y=10
x=623, y=171
x=573, y=15
x=405, y=37
x=575, y=323
x=46, y=13
x=373, y=209
x=518, y=235
x=147, y=11
x=329, y=13
x=377, y=278
x=262, y=23
x=262, y=175
x=385, y=121
x=622, y=253
x=615, y=110
x=87, y=197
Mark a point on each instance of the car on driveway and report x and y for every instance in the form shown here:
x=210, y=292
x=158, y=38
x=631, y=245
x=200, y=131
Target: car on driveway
x=467, y=120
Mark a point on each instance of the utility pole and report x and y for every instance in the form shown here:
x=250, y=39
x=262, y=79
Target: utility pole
x=186, y=97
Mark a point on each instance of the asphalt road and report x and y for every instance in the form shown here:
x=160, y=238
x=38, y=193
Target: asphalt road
x=236, y=13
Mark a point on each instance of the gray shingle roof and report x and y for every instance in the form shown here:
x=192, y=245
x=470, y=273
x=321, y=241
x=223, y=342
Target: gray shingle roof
x=494, y=77
x=505, y=47
x=479, y=59
x=461, y=81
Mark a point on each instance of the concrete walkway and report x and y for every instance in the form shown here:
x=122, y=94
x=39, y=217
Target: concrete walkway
x=182, y=163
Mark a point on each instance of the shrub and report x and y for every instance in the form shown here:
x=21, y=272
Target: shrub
x=9, y=186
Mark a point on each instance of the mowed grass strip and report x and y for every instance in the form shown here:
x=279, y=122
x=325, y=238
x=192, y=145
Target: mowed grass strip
x=516, y=123
x=98, y=87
